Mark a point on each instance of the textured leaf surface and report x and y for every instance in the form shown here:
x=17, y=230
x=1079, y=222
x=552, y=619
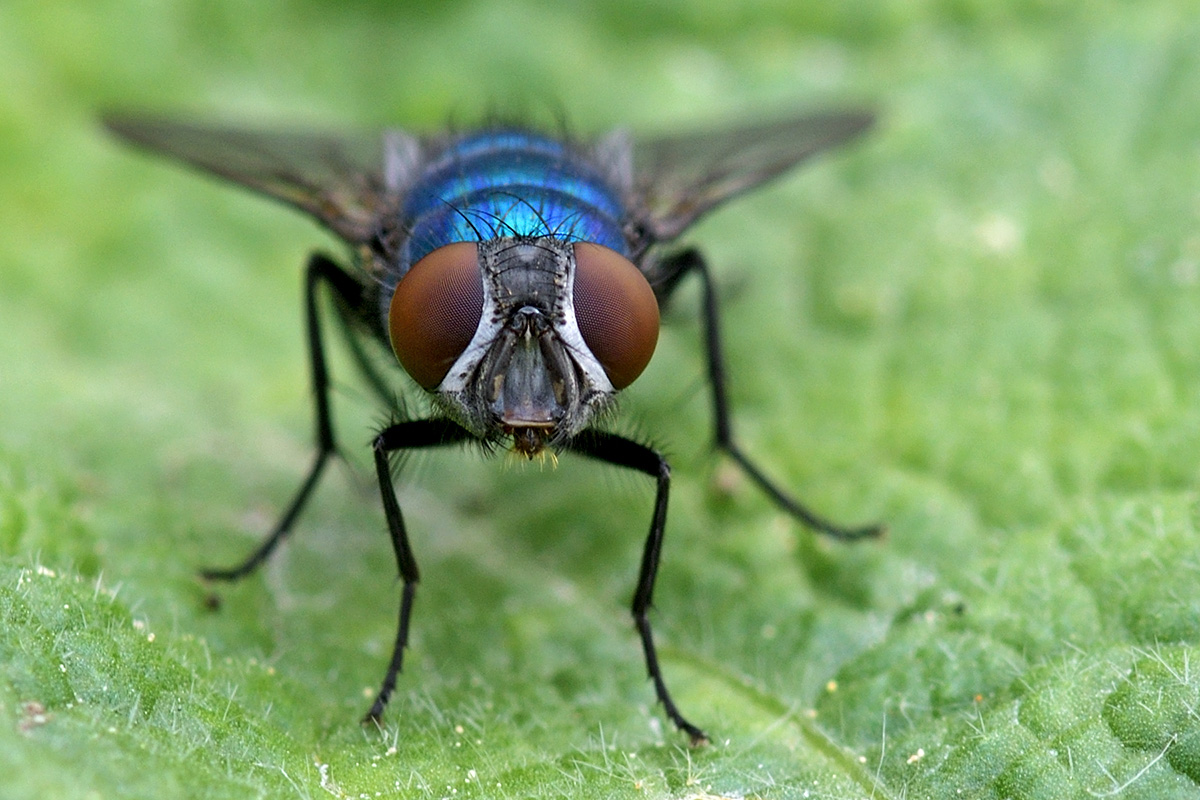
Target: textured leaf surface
x=979, y=326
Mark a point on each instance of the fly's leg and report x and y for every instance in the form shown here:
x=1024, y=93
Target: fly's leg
x=622, y=452
x=411, y=435
x=672, y=270
x=349, y=292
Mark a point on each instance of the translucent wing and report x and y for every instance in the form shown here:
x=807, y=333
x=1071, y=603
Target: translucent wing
x=341, y=180
x=679, y=178
x=336, y=179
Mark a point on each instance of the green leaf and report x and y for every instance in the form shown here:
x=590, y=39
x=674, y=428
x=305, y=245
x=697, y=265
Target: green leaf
x=979, y=325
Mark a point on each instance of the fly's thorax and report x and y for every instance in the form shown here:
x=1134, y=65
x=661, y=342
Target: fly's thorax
x=525, y=338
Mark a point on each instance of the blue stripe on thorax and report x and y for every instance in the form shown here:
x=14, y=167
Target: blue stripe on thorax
x=510, y=183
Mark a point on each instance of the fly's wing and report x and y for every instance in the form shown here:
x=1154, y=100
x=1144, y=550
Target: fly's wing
x=338, y=180
x=677, y=179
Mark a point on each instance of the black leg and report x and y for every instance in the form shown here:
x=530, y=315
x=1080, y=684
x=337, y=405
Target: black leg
x=349, y=292
x=671, y=270
x=358, y=319
x=622, y=452
x=412, y=435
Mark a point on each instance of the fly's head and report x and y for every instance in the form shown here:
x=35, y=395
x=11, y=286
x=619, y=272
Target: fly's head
x=524, y=339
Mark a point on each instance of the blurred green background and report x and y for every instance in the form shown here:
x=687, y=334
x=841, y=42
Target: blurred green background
x=978, y=325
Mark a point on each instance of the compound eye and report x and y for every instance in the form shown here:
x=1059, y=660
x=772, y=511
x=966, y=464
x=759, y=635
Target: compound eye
x=435, y=310
x=616, y=311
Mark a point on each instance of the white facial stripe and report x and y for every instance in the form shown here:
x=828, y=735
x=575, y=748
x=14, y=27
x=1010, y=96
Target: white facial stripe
x=488, y=329
x=567, y=328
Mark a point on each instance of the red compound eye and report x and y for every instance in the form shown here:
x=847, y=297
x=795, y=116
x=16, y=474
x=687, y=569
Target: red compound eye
x=435, y=310
x=616, y=311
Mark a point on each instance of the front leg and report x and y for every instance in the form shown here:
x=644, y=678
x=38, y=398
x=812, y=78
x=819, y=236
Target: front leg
x=623, y=452
x=412, y=435
x=671, y=270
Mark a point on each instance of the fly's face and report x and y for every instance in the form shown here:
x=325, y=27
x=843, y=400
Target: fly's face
x=527, y=338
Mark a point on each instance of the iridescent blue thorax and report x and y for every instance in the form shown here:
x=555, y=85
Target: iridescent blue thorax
x=505, y=183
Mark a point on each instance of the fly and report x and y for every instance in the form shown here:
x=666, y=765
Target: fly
x=517, y=278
